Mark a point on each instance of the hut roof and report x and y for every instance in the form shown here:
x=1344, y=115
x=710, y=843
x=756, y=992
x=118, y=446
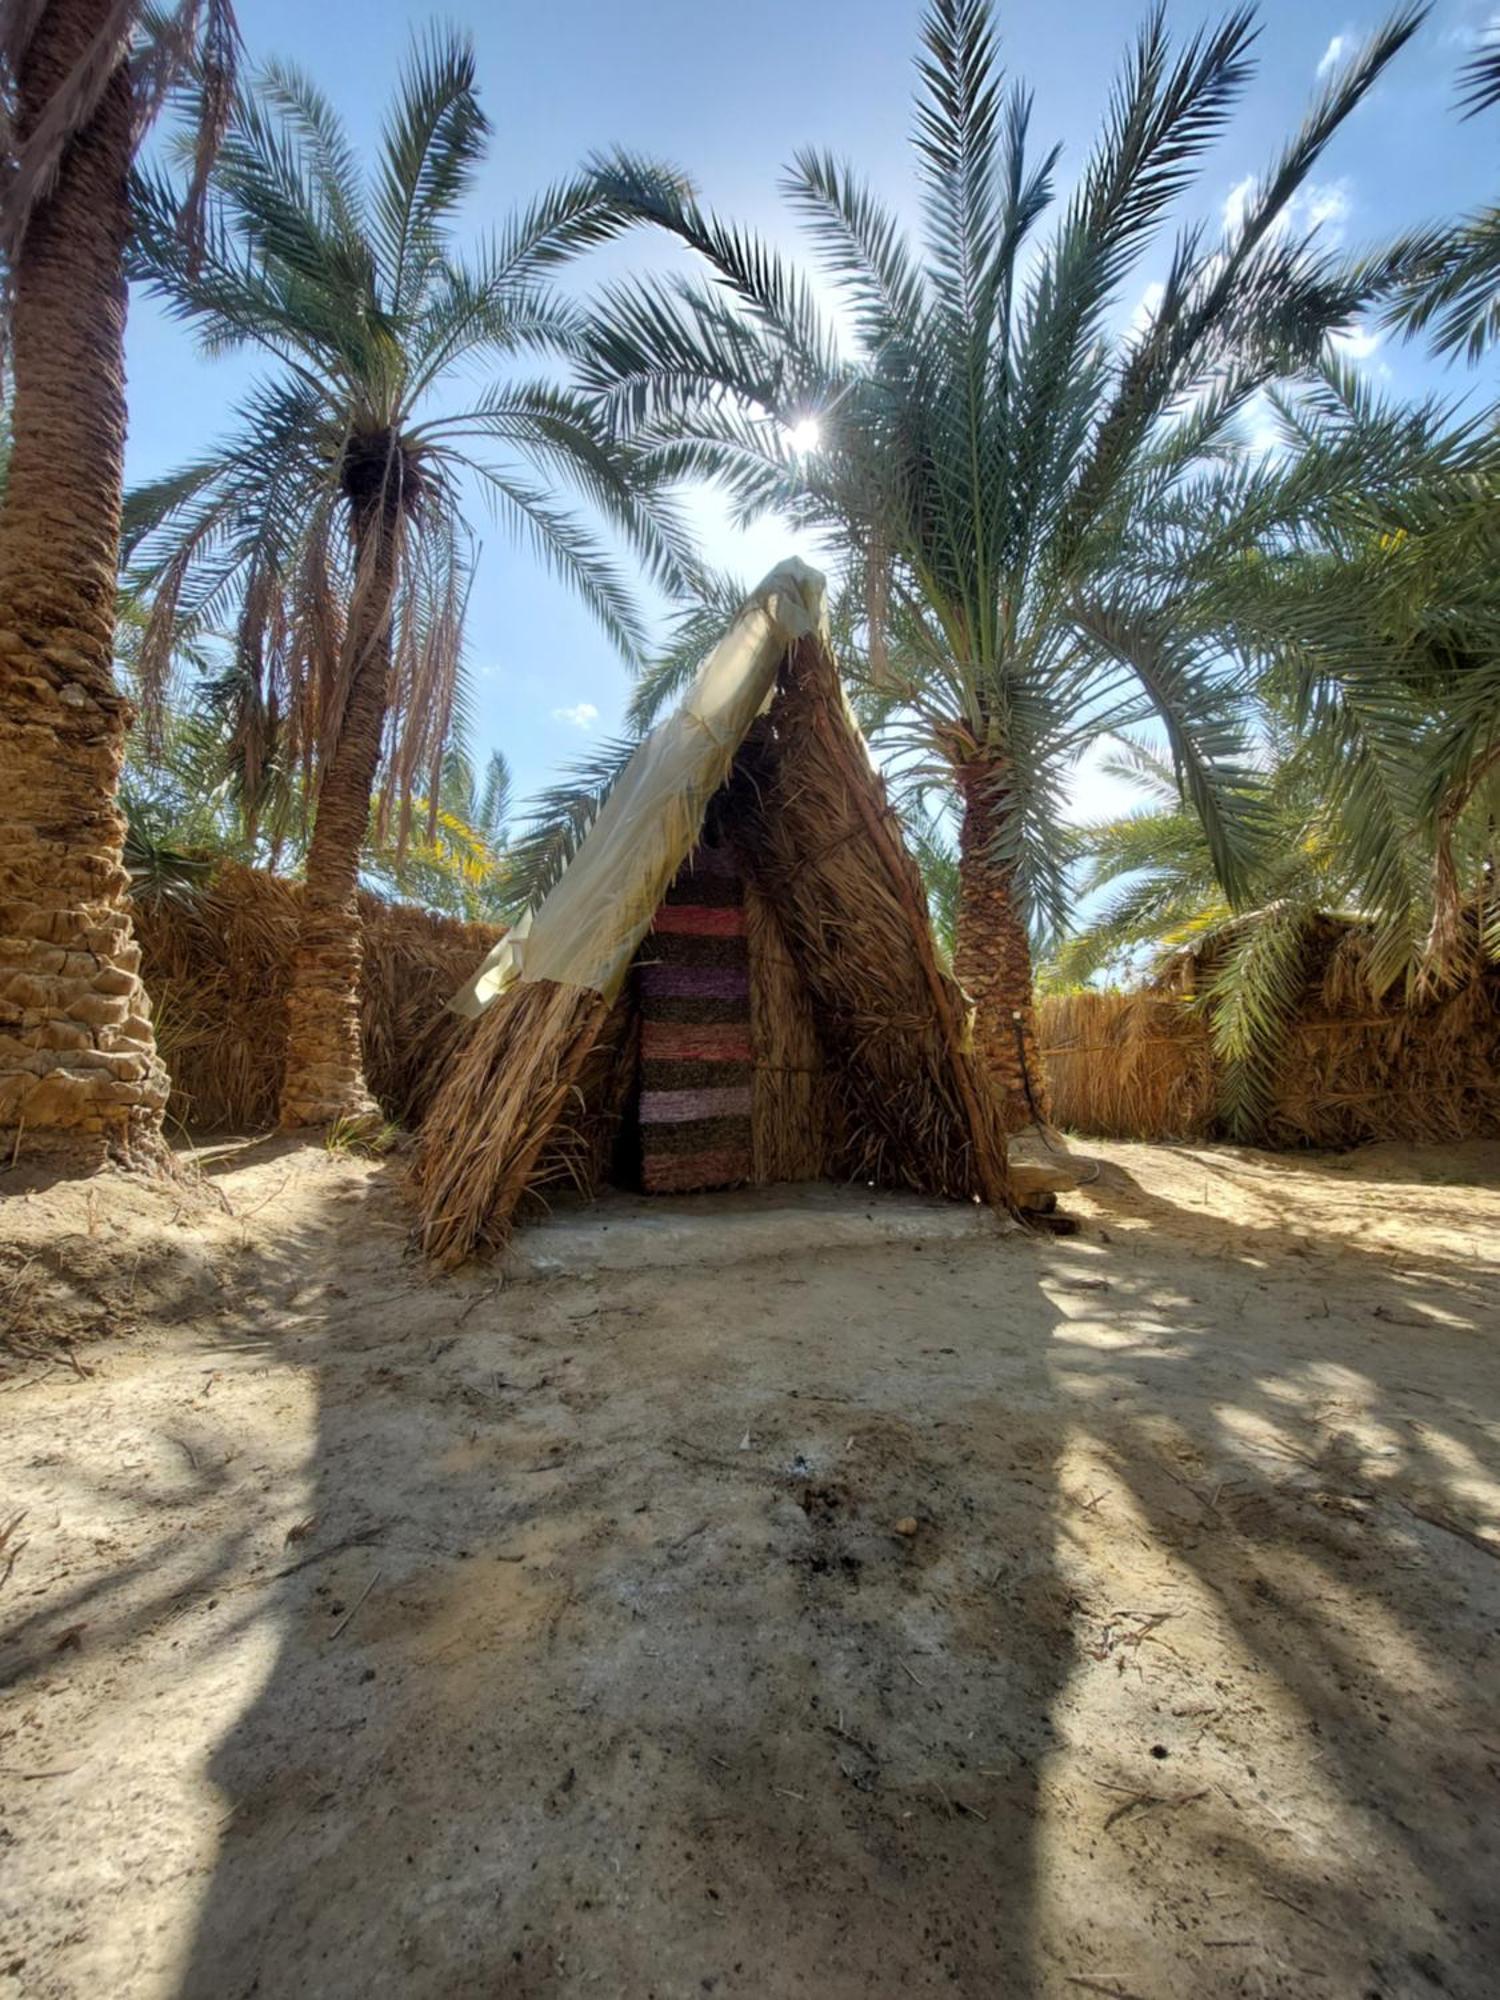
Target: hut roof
x=766, y=735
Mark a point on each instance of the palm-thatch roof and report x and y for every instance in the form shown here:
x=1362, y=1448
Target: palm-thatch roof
x=860, y=1068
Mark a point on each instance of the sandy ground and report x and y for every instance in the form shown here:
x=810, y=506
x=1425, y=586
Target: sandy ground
x=1110, y=1615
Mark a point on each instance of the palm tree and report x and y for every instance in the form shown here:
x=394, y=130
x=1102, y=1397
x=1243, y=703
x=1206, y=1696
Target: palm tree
x=1445, y=281
x=990, y=456
x=1165, y=896
x=1375, y=610
x=453, y=857
x=331, y=517
x=1376, y=625
x=79, y=1077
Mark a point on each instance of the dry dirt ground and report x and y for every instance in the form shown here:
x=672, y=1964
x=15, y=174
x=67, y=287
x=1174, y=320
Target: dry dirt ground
x=1114, y=1615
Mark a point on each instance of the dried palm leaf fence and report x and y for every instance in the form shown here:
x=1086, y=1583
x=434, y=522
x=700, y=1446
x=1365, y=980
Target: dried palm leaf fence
x=858, y=1067
x=216, y=959
x=1351, y=1068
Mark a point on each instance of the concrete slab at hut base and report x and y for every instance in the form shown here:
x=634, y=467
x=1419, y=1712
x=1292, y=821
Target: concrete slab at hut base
x=629, y=1232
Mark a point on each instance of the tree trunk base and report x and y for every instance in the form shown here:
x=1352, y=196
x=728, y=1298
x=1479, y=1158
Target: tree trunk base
x=78, y=1153
x=324, y=1085
x=320, y=1105
x=79, y=1072
x=992, y=955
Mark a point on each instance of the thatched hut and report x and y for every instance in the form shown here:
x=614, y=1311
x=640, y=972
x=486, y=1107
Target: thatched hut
x=733, y=983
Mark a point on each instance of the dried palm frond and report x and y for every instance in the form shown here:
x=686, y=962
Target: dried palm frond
x=193, y=46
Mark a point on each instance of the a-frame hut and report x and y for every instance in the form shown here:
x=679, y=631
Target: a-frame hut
x=734, y=982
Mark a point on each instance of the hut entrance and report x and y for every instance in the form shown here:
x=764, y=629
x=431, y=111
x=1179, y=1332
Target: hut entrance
x=692, y=979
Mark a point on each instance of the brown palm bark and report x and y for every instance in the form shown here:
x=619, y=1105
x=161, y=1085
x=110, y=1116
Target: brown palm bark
x=324, y=1081
x=80, y=1081
x=992, y=953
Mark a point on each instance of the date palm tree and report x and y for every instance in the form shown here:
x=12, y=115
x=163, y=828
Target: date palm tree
x=991, y=455
x=1373, y=612
x=80, y=1082
x=1445, y=281
x=331, y=518
x=1378, y=621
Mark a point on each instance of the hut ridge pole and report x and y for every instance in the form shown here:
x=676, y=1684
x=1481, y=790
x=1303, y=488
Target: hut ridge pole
x=877, y=823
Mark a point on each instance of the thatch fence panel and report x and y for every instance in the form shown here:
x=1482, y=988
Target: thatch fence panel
x=1127, y=1065
x=1353, y=1069
x=216, y=963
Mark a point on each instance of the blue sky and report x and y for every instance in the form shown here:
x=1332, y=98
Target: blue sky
x=729, y=95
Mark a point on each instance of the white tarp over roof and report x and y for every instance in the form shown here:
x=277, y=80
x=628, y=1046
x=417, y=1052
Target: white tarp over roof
x=586, y=932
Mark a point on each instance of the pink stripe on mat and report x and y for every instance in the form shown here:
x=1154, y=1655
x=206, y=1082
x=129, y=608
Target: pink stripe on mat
x=688, y=1173
x=676, y=1107
x=695, y=1041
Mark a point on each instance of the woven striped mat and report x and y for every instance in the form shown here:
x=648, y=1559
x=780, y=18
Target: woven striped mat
x=694, y=976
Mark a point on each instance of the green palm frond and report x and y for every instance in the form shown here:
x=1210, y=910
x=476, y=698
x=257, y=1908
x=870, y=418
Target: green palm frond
x=1252, y=1001
x=1007, y=480
x=1444, y=280
x=348, y=279
x=1479, y=78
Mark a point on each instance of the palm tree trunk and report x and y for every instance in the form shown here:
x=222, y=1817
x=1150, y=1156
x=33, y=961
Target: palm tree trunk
x=80, y=1081
x=325, y=1081
x=992, y=953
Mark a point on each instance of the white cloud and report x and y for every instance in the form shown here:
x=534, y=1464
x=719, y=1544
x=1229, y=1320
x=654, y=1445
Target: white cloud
x=582, y=715
x=1321, y=205
x=1235, y=204
x=1358, y=344
x=1333, y=54
x=1148, y=308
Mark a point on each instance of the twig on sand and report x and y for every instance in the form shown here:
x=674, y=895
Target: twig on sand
x=10, y=1548
x=348, y=1617
x=479, y=1299
x=1448, y=1525
x=256, y=1207
x=1098, y=1985
x=184, y=1447
x=1287, y=1903
x=335, y=1549
x=1137, y=1801
x=910, y=1675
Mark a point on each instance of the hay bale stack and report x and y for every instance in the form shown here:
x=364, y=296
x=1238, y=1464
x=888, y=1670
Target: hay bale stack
x=215, y=963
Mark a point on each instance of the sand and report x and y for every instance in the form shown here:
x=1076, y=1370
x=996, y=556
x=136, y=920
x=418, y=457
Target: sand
x=1112, y=1615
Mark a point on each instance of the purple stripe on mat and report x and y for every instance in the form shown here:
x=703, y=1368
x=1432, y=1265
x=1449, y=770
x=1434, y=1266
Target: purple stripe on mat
x=678, y=1107
x=708, y=861
x=698, y=982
